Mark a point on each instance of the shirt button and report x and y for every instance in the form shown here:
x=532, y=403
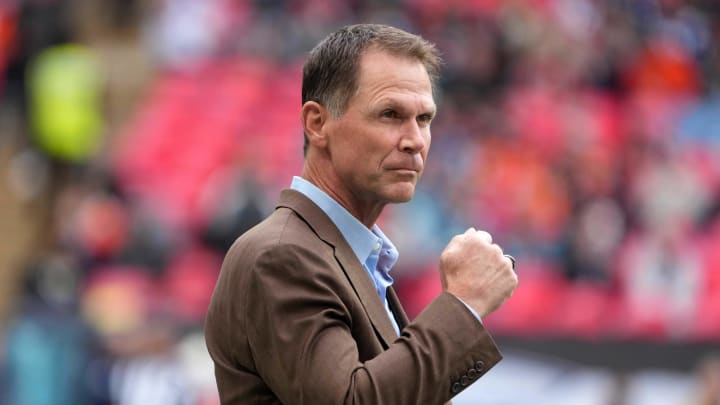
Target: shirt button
x=377, y=246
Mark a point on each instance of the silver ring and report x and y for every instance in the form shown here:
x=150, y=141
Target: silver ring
x=512, y=259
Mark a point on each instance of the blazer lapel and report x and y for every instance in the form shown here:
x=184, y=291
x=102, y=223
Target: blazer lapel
x=353, y=269
x=397, y=309
x=365, y=289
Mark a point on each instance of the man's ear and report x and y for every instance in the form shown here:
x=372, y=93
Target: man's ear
x=314, y=118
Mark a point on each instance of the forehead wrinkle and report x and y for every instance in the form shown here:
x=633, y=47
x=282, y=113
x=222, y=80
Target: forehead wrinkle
x=377, y=83
x=396, y=90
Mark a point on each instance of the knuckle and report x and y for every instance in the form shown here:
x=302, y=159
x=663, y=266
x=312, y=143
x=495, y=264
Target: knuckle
x=445, y=257
x=457, y=241
x=496, y=250
x=450, y=248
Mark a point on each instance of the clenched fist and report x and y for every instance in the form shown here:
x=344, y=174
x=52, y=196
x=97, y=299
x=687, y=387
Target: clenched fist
x=475, y=270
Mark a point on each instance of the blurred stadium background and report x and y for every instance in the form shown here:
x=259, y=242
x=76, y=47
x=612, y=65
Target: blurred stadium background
x=139, y=138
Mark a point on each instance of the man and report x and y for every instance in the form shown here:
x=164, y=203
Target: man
x=304, y=311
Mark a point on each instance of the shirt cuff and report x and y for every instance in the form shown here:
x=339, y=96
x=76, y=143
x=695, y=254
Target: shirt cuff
x=472, y=311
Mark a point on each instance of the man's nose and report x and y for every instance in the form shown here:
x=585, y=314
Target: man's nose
x=414, y=138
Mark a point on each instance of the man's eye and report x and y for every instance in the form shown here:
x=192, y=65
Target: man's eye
x=425, y=118
x=390, y=114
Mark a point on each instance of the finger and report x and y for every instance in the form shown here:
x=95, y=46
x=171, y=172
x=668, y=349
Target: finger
x=470, y=230
x=512, y=261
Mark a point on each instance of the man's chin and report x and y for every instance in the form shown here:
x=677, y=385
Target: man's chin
x=401, y=194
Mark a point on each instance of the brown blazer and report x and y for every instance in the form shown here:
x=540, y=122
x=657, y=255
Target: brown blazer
x=295, y=319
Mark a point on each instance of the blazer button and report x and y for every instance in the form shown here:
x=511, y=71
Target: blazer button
x=479, y=366
x=456, y=388
x=464, y=381
x=472, y=373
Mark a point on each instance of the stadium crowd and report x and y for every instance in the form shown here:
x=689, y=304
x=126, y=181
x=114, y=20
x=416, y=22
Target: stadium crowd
x=143, y=137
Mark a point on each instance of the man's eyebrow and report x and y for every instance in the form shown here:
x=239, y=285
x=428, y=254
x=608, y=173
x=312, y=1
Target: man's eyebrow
x=391, y=102
x=431, y=111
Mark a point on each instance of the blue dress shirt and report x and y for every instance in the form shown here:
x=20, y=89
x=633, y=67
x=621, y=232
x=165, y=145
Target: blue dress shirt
x=372, y=248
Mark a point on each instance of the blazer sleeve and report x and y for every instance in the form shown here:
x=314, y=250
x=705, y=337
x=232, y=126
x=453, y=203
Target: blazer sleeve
x=299, y=333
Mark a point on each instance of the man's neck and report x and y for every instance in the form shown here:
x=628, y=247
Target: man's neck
x=366, y=213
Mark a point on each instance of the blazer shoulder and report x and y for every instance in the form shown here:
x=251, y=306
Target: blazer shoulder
x=283, y=227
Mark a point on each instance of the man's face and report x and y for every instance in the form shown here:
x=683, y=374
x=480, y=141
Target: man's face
x=379, y=144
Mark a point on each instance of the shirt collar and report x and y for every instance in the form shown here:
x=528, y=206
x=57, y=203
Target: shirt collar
x=362, y=240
